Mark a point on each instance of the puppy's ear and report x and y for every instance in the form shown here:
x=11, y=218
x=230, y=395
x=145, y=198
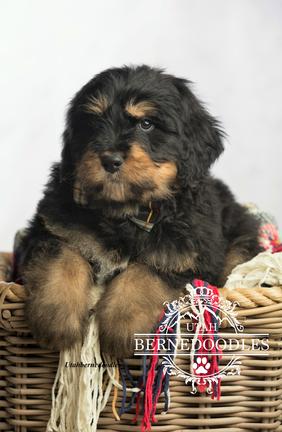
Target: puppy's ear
x=66, y=158
x=201, y=138
x=77, y=131
x=69, y=141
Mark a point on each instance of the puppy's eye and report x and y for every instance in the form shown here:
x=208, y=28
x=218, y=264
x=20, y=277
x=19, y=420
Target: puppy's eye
x=146, y=124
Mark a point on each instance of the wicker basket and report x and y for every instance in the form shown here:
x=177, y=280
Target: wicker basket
x=250, y=401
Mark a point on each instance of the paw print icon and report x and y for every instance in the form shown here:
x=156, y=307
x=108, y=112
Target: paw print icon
x=201, y=365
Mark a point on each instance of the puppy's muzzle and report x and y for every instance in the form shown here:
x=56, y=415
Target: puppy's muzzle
x=112, y=161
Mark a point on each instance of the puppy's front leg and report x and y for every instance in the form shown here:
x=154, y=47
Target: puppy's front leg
x=58, y=282
x=132, y=303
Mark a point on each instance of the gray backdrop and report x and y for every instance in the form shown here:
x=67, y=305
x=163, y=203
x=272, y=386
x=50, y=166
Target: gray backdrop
x=230, y=49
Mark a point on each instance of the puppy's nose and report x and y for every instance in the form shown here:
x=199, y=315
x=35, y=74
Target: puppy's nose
x=112, y=161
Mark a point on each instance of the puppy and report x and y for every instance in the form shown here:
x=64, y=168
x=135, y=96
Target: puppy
x=131, y=207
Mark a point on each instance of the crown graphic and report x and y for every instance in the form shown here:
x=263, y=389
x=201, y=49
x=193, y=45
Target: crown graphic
x=203, y=291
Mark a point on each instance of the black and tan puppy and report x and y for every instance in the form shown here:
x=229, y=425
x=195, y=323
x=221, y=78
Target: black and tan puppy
x=132, y=207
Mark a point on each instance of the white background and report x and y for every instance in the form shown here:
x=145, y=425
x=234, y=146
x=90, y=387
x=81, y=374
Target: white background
x=230, y=49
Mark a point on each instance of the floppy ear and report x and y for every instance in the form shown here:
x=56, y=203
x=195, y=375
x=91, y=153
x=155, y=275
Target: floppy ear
x=71, y=141
x=66, y=164
x=201, y=138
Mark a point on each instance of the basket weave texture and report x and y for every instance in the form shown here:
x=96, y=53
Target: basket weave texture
x=249, y=401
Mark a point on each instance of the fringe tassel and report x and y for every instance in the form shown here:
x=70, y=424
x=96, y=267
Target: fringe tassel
x=78, y=396
x=156, y=379
x=153, y=382
x=148, y=395
x=115, y=397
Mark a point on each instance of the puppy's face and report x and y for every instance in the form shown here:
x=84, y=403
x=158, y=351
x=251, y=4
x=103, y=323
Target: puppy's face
x=133, y=136
x=122, y=158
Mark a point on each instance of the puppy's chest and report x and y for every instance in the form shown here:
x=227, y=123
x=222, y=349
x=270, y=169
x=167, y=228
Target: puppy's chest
x=105, y=266
x=106, y=261
x=104, y=270
x=110, y=256
x=167, y=254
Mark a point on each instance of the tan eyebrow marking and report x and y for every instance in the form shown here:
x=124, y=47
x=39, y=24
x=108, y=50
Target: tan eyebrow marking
x=140, y=109
x=97, y=105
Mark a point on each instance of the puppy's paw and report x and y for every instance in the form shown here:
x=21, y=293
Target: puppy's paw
x=117, y=330
x=53, y=326
x=58, y=285
x=132, y=303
